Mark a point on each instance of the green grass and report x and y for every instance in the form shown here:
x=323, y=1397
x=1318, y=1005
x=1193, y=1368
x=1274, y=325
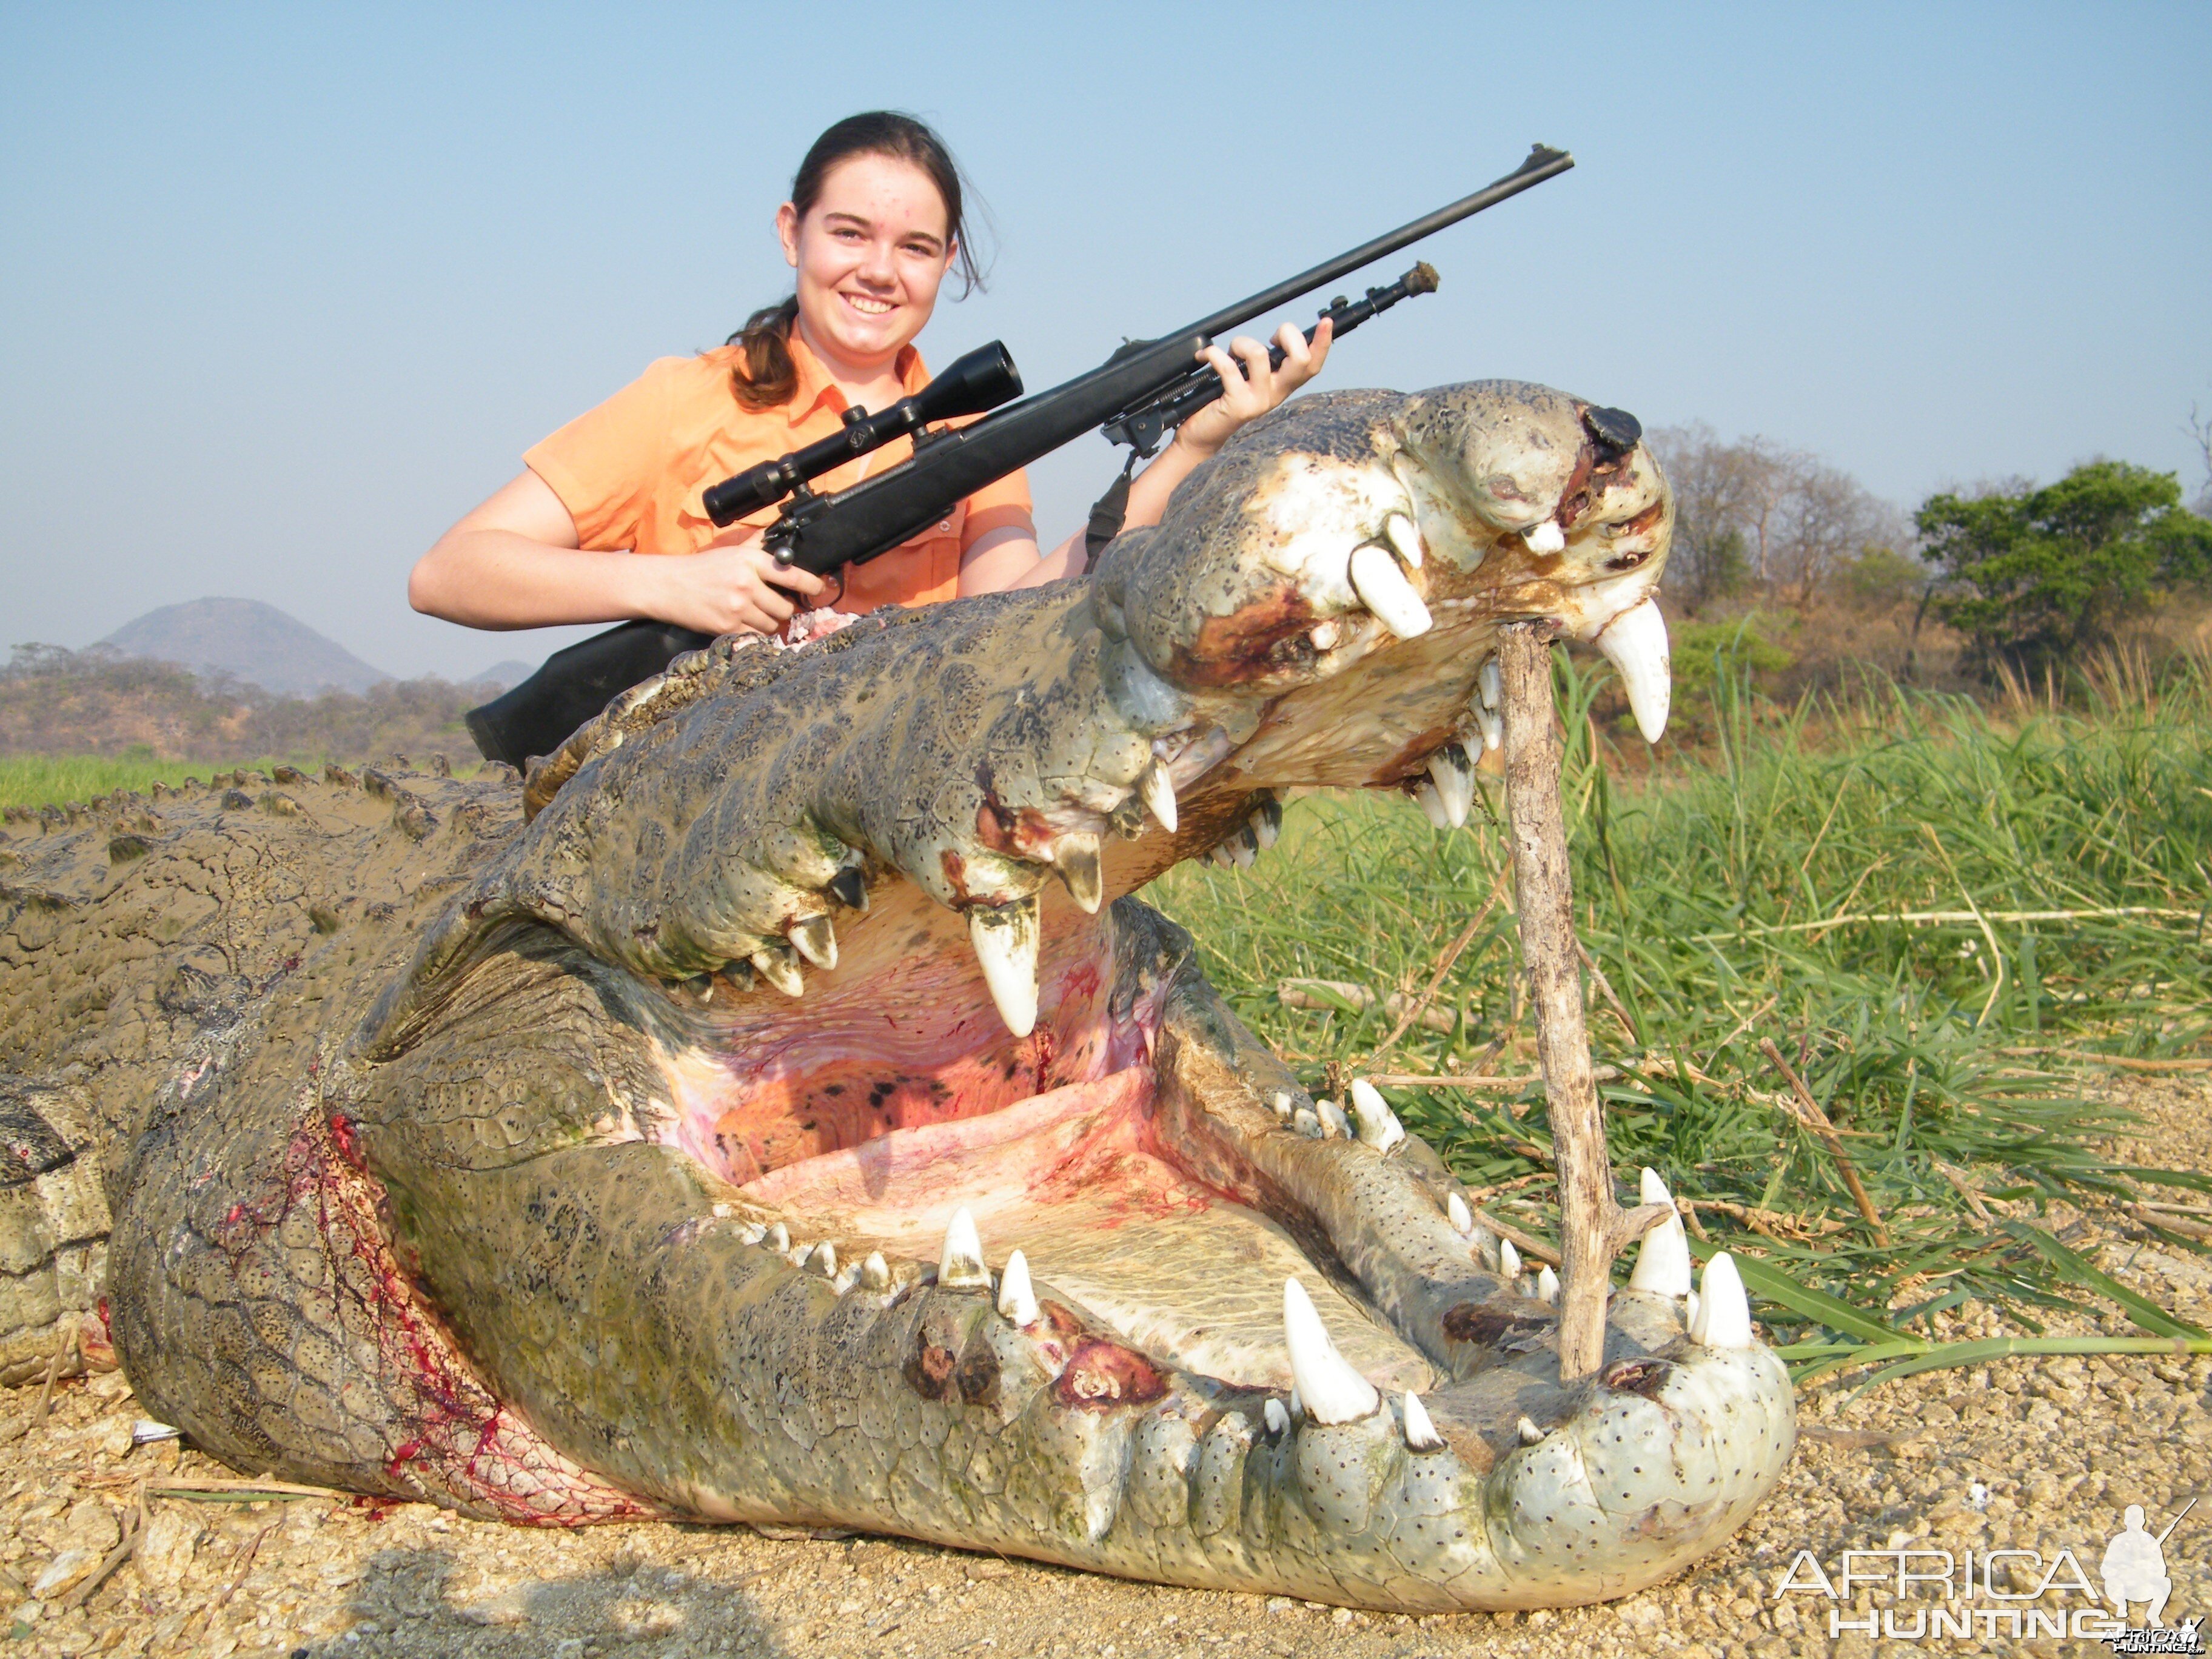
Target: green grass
x=52, y=780
x=1939, y=1049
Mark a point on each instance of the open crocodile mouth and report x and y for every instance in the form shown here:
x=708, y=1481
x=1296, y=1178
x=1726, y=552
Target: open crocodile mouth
x=965, y=1106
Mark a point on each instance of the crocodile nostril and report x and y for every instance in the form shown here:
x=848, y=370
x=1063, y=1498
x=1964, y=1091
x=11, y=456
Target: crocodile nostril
x=1613, y=429
x=1626, y=561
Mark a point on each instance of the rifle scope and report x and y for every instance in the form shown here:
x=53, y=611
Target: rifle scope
x=981, y=381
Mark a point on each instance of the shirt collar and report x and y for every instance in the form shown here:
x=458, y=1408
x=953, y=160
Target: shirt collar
x=816, y=389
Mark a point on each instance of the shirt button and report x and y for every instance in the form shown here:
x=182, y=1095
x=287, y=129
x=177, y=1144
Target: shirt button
x=945, y=524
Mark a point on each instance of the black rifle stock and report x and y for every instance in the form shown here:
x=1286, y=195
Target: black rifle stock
x=1145, y=387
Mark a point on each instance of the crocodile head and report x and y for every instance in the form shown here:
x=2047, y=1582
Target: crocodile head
x=924, y=1184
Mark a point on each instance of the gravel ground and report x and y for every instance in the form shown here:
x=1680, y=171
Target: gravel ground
x=2022, y=1453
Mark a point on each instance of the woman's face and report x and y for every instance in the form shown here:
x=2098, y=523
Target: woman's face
x=870, y=255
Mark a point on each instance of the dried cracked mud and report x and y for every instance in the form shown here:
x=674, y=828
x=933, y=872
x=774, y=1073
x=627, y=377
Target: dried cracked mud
x=2024, y=1455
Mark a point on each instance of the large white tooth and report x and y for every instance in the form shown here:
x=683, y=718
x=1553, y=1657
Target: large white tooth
x=1723, y=1316
x=1651, y=1189
x=1690, y=1305
x=1405, y=536
x=1332, y=1390
x=1453, y=776
x=1547, y=1284
x=1278, y=1419
x=1243, y=849
x=778, y=1238
x=1016, y=1299
x=815, y=939
x=1461, y=1218
x=1158, y=790
x=1493, y=724
x=774, y=964
x=1509, y=1260
x=1005, y=940
x=961, y=1266
x=1662, y=1260
x=1333, y=1123
x=1075, y=855
x=1545, y=538
x=875, y=1272
x=1432, y=804
x=825, y=1259
x=1266, y=822
x=1490, y=683
x=1634, y=643
x=1378, y=1125
x=1420, y=1433
x=1529, y=1433
x=1384, y=589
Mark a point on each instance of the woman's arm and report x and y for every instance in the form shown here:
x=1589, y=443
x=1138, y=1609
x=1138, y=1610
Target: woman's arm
x=514, y=563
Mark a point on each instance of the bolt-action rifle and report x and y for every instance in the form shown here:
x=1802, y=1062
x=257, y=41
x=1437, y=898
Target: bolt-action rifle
x=1140, y=394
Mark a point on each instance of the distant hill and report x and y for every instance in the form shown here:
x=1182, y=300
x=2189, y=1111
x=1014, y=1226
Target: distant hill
x=248, y=641
x=506, y=674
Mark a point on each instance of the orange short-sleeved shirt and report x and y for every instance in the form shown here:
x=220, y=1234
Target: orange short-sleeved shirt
x=633, y=471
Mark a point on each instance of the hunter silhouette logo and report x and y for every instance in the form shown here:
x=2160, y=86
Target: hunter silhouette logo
x=2007, y=1592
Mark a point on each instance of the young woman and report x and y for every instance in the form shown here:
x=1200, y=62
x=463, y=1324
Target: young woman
x=873, y=227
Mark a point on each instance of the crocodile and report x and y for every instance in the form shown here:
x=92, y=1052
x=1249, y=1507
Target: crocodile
x=781, y=1111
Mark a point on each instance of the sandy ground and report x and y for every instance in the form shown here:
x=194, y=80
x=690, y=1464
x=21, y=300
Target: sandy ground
x=2032, y=1456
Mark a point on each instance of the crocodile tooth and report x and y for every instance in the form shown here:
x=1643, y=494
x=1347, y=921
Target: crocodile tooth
x=1453, y=773
x=1461, y=1218
x=1529, y=1433
x=1420, y=1433
x=1433, y=804
x=961, y=1267
x=1492, y=726
x=778, y=1238
x=1017, y=1300
x=825, y=1259
x=1333, y=1123
x=1266, y=822
x=1405, y=536
x=703, y=987
x=816, y=940
x=1282, y=1103
x=1244, y=848
x=752, y=1233
x=1384, y=589
x=1490, y=680
x=1298, y=1407
x=875, y=1272
x=1075, y=856
x=1545, y=538
x=1306, y=1123
x=850, y=889
x=1378, y=1125
x=1326, y=633
x=1723, y=1316
x=1332, y=1390
x=1634, y=643
x=1662, y=1260
x=774, y=963
x=1005, y=940
x=1158, y=791
x=1277, y=1420
x=1689, y=1311
x=848, y=1276
x=1509, y=1260
x=1547, y=1284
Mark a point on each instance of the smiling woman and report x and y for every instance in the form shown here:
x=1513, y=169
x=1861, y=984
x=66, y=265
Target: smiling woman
x=874, y=225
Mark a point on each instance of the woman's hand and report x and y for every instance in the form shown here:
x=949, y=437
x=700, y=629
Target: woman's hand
x=1247, y=396
x=732, y=585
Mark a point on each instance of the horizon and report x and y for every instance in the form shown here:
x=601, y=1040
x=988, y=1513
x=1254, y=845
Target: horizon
x=293, y=291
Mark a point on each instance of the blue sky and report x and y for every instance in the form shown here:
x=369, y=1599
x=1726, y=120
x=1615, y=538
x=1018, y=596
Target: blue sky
x=287, y=290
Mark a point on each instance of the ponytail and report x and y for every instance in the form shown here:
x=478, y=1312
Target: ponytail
x=765, y=376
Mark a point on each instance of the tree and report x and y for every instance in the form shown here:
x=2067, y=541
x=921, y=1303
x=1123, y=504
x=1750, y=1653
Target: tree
x=2037, y=575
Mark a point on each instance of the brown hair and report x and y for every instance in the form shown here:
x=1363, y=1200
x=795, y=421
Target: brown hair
x=765, y=375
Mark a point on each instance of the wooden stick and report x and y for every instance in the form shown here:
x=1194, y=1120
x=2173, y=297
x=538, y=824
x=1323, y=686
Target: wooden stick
x=1813, y=1118
x=1592, y=1226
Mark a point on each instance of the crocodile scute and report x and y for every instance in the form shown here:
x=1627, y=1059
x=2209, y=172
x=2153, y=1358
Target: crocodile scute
x=784, y=1111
